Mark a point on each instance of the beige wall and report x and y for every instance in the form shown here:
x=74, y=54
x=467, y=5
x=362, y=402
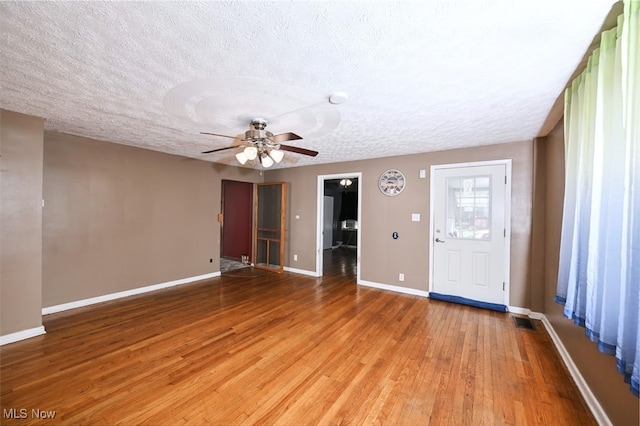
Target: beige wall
x=382, y=257
x=20, y=222
x=598, y=370
x=118, y=218
x=538, y=224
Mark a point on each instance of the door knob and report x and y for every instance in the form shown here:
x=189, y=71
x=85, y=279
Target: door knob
x=438, y=240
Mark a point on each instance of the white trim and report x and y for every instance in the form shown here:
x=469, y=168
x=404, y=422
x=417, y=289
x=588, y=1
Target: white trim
x=507, y=228
x=536, y=315
x=301, y=271
x=520, y=311
x=507, y=217
x=397, y=289
x=320, y=217
x=21, y=335
x=525, y=311
x=595, y=407
x=121, y=294
x=472, y=164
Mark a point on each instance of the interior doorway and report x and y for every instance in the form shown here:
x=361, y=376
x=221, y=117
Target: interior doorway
x=338, y=236
x=236, y=224
x=269, y=231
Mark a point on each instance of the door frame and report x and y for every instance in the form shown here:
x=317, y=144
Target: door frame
x=320, y=217
x=281, y=230
x=223, y=211
x=507, y=217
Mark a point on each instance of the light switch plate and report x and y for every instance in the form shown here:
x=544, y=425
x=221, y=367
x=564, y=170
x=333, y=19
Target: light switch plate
x=415, y=217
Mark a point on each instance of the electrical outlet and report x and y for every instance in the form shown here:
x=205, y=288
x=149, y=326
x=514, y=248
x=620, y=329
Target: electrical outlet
x=295, y=257
x=401, y=277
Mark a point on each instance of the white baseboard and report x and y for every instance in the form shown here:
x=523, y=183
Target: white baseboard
x=121, y=294
x=536, y=315
x=21, y=335
x=595, y=407
x=301, y=271
x=519, y=311
x=395, y=288
x=525, y=311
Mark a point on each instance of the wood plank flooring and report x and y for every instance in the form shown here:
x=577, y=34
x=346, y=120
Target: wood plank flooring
x=254, y=347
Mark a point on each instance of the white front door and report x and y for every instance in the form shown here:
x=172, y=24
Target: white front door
x=469, y=232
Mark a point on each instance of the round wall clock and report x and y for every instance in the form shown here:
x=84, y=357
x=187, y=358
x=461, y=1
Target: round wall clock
x=391, y=182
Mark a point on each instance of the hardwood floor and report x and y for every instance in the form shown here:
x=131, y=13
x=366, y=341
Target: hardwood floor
x=340, y=262
x=254, y=347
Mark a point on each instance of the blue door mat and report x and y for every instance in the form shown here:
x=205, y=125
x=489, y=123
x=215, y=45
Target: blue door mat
x=470, y=302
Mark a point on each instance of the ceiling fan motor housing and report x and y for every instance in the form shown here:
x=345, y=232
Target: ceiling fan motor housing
x=258, y=132
x=253, y=135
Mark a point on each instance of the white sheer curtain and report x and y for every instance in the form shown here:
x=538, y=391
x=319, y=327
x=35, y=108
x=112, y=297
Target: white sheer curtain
x=599, y=274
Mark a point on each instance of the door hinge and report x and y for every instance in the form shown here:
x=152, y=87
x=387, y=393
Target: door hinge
x=504, y=232
x=505, y=180
x=503, y=286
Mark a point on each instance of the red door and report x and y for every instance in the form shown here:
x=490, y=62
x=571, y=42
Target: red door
x=237, y=208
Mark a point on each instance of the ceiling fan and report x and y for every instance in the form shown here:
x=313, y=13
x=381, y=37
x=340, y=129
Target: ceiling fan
x=263, y=145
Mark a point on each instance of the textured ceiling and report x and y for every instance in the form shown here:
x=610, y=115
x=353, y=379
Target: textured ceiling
x=420, y=76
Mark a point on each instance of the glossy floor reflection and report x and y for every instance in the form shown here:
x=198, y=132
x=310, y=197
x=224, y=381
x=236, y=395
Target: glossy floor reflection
x=340, y=261
x=259, y=348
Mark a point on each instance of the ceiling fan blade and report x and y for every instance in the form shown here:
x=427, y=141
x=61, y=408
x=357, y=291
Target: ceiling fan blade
x=283, y=137
x=217, y=134
x=298, y=150
x=220, y=149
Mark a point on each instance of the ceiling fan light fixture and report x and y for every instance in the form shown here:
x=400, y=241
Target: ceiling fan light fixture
x=251, y=152
x=263, y=146
x=266, y=161
x=276, y=155
x=346, y=182
x=242, y=157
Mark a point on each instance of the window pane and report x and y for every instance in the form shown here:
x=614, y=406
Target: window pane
x=469, y=207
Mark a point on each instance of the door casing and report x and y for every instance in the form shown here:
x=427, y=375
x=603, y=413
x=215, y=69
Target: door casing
x=507, y=216
x=236, y=237
x=320, y=219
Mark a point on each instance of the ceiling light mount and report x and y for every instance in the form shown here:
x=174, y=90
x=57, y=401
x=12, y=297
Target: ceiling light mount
x=338, y=98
